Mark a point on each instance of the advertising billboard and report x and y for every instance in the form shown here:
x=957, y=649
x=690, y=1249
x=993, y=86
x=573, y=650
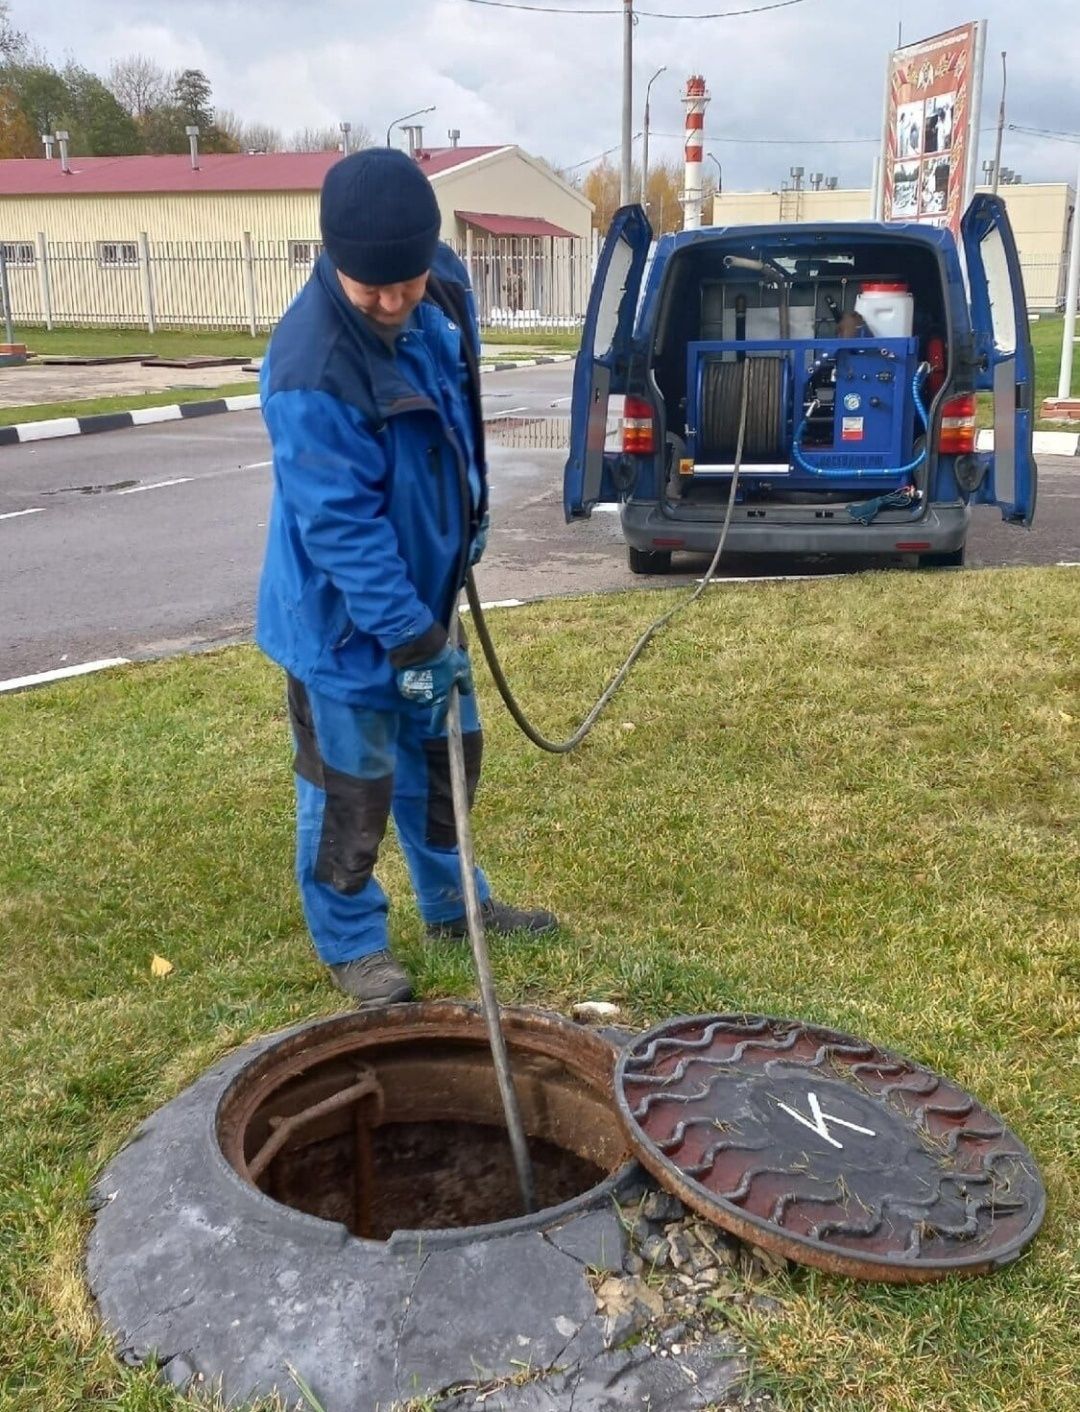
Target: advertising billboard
x=933, y=93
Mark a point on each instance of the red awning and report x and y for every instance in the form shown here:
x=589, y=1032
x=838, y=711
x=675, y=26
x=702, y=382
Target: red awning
x=512, y=225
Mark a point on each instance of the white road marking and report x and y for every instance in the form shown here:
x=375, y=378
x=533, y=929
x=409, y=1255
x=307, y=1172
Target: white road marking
x=255, y=465
x=61, y=673
x=497, y=603
x=606, y=509
x=42, y=431
x=510, y=412
x=147, y=416
x=155, y=485
x=14, y=514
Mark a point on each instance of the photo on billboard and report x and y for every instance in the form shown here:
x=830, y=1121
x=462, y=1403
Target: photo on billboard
x=930, y=127
x=909, y=130
x=935, y=187
x=938, y=124
x=906, y=191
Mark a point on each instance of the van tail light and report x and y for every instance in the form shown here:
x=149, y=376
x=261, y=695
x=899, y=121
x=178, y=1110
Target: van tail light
x=638, y=428
x=957, y=436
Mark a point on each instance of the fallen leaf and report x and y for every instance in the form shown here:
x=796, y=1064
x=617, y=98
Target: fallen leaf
x=160, y=967
x=594, y=1011
x=1066, y=717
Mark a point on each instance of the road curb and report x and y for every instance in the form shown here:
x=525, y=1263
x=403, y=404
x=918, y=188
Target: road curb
x=1043, y=443
x=182, y=411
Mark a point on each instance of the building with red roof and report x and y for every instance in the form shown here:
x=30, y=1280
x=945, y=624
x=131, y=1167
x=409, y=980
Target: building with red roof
x=119, y=213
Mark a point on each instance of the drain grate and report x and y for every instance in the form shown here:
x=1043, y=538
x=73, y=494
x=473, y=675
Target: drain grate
x=827, y=1149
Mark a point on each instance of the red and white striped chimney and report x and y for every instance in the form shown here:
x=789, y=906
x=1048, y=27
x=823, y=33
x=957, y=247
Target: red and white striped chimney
x=695, y=100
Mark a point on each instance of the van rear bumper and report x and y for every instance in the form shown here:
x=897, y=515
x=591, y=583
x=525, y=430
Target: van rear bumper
x=941, y=530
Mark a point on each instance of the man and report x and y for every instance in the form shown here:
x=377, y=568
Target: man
x=371, y=395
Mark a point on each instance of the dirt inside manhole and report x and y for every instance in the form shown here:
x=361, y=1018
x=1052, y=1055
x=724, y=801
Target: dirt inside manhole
x=392, y=1121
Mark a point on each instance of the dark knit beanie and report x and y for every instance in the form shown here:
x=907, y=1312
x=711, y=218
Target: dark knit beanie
x=379, y=217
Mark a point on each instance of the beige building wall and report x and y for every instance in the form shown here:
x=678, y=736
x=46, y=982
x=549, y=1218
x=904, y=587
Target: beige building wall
x=268, y=215
x=203, y=270
x=510, y=184
x=1040, y=215
x=751, y=208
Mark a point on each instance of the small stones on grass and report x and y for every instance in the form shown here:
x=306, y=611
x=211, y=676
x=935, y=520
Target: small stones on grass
x=692, y=1273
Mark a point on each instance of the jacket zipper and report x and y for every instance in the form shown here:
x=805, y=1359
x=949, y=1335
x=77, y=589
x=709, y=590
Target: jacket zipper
x=435, y=462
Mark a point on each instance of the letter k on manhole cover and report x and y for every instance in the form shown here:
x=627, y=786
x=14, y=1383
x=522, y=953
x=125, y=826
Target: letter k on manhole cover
x=827, y=1149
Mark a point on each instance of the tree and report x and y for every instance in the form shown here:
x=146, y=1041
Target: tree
x=42, y=95
x=663, y=198
x=191, y=94
x=139, y=85
x=12, y=40
x=18, y=136
x=248, y=137
x=99, y=125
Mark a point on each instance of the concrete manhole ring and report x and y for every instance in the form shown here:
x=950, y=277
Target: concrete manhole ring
x=271, y=1218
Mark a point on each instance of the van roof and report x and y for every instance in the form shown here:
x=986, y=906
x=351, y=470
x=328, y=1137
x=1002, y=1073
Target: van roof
x=836, y=232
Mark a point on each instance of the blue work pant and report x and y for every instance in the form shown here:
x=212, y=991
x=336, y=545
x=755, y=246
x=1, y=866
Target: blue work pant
x=354, y=768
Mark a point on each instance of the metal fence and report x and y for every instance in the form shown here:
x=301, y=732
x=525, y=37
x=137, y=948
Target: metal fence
x=522, y=284
x=529, y=283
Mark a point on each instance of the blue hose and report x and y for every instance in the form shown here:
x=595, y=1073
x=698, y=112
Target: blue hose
x=803, y=464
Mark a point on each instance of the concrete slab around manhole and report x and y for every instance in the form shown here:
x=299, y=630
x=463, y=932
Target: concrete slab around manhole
x=222, y=1285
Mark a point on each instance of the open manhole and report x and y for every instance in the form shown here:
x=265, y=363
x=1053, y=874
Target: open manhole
x=392, y=1121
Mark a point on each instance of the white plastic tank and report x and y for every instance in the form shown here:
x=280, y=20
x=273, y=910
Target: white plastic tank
x=888, y=309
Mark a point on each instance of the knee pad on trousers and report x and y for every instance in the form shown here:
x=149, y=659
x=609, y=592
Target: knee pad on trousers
x=354, y=824
x=440, y=830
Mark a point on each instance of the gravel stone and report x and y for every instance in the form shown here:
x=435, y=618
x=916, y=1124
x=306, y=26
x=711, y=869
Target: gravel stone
x=662, y=1206
x=655, y=1251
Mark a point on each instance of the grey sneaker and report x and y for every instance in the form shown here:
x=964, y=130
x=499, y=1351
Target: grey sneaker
x=375, y=979
x=500, y=919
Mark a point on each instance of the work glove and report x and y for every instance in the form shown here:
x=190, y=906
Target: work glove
x=429, y=683
x=479, y=544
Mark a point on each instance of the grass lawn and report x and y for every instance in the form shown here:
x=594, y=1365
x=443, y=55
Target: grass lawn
x=852, y=801
x=166, y=343
x=89, y=406
x=1046, y=343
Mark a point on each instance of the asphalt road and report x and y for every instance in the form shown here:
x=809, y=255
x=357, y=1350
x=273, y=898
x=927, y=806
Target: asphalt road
x=145, y=541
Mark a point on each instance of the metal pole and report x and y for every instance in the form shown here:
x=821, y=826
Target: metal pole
x=46, y=283
x=625, y=195
x=1072, y=290
x=478, y=942
x=148, y=282
x=5, y=290
x=645, y=139
x=971, y=172
x=249, y=283
x=1000, y=128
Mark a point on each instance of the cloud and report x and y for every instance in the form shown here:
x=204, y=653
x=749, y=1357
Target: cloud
x=809, y=77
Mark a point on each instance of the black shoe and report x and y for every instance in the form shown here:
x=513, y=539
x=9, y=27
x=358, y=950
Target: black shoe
x=375, y=979
x=499, y=920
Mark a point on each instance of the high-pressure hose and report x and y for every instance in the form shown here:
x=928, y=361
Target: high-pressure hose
x=563, y=747
x=827, y=472
x=473, y=913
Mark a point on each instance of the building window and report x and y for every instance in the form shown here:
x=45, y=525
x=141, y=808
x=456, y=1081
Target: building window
x=117, y=254
x=303, y=253
x=19, y=252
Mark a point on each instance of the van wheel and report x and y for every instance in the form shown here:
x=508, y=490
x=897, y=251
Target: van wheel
x=648, y=561
x=954, y=559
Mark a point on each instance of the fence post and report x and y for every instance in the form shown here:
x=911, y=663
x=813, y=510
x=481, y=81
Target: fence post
x=249, y=284
x=5, y=291
x=43, y=277
x=147, y=282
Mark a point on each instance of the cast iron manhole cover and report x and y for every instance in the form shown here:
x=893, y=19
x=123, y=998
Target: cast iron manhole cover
x=827, y=1149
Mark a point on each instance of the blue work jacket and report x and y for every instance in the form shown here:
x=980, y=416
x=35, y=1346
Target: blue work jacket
x=380, y=484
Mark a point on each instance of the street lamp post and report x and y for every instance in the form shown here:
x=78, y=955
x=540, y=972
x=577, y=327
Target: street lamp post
x=645, y=140
x=719, y=180
x=627, y=103
x=405, y=117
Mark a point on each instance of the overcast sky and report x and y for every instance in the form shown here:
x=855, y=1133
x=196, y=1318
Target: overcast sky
x=809, y=78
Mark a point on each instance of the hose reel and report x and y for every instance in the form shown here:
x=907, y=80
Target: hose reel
x=721, y=405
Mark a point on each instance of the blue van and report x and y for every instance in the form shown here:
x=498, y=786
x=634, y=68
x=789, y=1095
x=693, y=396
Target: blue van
x=853, y=442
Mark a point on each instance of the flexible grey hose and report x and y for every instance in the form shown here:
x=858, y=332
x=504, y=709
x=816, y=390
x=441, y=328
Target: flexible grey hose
x=478, y=941
x=564, y=747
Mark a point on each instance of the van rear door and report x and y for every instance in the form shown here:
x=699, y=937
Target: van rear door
x=1005, y=365
x=603, y=362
